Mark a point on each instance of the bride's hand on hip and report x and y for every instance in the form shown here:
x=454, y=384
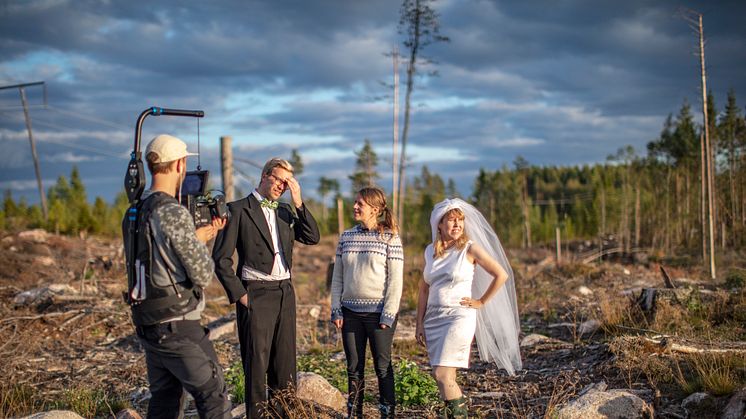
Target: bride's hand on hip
x=471, y=302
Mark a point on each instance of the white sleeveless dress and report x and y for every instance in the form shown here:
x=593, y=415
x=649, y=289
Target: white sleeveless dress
x=449, y=326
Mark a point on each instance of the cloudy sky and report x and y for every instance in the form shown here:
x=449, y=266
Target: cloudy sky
x=557, y=82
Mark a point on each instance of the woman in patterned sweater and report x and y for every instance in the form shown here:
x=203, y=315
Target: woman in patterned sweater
x=366, y=289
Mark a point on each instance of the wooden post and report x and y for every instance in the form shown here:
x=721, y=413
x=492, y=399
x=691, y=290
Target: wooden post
x=602, y=232
x=603, y=211
x=226, y=167
x=37, y=170
x=558, y=243
x=637, y=216
x=340, y=215
x=526, y=219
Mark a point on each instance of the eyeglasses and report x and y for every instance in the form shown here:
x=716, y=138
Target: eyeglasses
x=278, y=181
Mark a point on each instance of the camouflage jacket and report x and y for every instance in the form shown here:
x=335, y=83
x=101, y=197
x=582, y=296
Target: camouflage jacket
x=178, y=250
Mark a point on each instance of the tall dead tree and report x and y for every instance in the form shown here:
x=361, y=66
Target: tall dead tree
x=419, y=22
x=394, y=162
x=695, y=20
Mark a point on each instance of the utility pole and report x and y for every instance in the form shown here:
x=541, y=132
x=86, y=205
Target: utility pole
x=526, y=219
x=395, y=166
x=226, y=167
x=21, y=88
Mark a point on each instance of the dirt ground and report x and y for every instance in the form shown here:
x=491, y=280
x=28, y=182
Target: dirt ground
x=83, y=338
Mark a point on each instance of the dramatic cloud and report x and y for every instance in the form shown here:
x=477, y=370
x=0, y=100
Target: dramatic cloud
x=558, y=83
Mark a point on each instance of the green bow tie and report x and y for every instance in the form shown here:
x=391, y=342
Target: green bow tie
x=266, y=203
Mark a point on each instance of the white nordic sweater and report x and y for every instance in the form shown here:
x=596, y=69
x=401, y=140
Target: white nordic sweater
x=368, y=273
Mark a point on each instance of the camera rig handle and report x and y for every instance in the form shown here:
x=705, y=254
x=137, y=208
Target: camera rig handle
x=134, y=179
x=134, y=185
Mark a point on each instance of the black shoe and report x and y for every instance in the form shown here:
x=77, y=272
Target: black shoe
x=387, y=411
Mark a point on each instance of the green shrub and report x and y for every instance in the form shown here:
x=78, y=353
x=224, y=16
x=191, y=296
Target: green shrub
x=413, y=386
x=235, y=379
x=736, y=279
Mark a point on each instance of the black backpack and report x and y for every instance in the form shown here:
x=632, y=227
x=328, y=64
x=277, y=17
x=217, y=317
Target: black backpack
x=152, y=303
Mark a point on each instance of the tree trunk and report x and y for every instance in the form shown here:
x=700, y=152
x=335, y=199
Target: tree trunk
x=703, y=199
x=411, y=69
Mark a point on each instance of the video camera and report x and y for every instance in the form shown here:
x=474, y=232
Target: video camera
x=200, y=202
x=202, y=205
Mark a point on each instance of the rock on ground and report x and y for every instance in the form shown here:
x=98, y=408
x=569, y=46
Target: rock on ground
x=38, y=235
x=55, y=414
x=589, y=327
x=128, y=414
x=537, y=339
x=699, y=405
x=314, y=387
x=736, y=407
x=611, y=404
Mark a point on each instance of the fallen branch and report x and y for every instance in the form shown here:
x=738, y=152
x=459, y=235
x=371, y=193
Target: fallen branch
x=667, y=343
x=74, y=298
x=42, y=316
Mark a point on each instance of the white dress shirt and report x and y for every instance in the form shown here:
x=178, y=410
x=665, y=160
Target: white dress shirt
x=279, y=268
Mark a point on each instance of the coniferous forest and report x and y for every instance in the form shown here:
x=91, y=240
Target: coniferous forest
x=650, y=199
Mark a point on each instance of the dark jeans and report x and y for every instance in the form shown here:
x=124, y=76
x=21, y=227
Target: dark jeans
x=357, y=330
x=179, y=355
x=266, y=332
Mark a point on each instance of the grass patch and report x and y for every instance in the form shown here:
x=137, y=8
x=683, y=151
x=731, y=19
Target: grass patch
x=717, y=374
x=19, y=400
x=92, y=402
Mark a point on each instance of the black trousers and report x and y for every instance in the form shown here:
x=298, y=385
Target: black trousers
x=179, y=355
x=266, y=332
x=358, y=329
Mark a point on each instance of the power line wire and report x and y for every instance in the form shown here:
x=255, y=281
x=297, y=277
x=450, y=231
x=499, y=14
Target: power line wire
x=75, y=146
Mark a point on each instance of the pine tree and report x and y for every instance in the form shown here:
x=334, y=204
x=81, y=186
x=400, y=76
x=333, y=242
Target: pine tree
x=297, y=162
x=365, y=168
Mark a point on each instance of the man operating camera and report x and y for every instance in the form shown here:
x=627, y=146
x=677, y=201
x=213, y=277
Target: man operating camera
x=172, y=266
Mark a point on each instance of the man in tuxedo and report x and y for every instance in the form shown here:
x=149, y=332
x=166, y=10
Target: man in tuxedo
x=263, y=231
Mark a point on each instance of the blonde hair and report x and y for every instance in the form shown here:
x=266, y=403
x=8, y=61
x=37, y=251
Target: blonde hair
x=276, y=162
x=439, y=248
x=377, y=199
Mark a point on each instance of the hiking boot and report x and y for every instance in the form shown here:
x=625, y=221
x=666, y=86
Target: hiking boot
x=455, y=409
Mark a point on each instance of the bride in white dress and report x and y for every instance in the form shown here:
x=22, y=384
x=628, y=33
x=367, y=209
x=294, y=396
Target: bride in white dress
x=467, y=289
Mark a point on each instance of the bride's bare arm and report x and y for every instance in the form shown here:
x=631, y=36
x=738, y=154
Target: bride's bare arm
x=477, y=255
